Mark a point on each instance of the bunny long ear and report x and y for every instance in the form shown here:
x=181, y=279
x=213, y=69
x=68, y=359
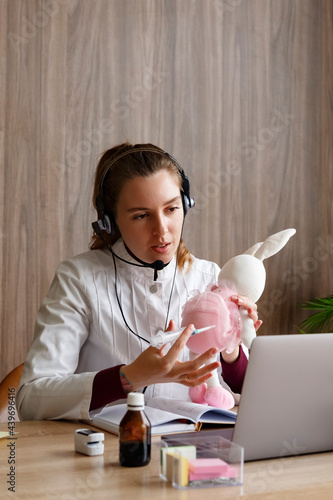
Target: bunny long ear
x=253, y=250
x=274, y=244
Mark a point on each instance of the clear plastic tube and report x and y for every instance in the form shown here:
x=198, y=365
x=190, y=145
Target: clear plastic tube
x=163, y=338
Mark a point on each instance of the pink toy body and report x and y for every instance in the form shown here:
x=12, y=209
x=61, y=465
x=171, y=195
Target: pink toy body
x=242, y=275
x=213, y=307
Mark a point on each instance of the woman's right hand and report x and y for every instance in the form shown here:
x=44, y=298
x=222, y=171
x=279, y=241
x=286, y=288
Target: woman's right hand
x=154, y=366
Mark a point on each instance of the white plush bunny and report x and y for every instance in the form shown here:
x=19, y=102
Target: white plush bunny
x=243, y=275
x=248, y=275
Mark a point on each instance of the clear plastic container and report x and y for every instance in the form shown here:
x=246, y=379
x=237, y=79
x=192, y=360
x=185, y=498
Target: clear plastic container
x=198, y=461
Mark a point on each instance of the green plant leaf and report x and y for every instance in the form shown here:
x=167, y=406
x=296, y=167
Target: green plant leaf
x=322, y=320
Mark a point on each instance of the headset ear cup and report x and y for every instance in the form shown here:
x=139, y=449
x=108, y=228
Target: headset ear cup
x=107, y=224
x=185, y=202
x=188, y=202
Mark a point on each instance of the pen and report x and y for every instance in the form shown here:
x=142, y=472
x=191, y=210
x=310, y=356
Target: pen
x=163, y=338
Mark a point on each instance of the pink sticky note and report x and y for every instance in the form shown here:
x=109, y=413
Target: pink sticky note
x=211, y=466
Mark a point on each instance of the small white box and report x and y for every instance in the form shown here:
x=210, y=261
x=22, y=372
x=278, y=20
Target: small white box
x=89, y=442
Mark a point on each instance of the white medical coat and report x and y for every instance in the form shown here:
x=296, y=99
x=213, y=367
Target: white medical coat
x=80, y=329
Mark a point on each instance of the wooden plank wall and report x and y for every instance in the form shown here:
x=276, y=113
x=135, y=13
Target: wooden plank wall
x=239, y=91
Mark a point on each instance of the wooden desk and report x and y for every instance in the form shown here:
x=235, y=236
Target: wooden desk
x=47, y=467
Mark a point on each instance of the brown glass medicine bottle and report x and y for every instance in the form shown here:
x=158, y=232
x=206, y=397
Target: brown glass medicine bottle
x=134, y=433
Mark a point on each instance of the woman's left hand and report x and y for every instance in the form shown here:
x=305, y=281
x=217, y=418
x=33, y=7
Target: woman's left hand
x=250, y=306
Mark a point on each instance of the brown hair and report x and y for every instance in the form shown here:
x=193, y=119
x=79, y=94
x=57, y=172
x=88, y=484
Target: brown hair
x=144, y=160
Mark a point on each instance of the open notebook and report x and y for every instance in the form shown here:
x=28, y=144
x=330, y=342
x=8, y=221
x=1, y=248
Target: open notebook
x=167, y=416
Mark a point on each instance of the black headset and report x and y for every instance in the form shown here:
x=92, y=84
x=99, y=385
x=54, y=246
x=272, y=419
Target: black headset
x=104, y=223
x=104, y=219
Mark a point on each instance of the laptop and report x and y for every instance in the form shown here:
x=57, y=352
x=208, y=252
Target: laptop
x=286, y=407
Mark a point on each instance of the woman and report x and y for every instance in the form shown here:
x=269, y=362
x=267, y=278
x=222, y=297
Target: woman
x=92, y=334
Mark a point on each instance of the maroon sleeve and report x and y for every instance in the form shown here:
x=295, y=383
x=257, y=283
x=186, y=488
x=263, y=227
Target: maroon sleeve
x=107, y=388
x=233, y=373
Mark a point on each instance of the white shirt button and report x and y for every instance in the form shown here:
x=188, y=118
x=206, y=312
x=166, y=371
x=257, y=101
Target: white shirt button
x=153, y=288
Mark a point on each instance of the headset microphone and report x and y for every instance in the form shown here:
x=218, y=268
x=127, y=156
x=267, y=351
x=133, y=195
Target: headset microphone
x=158, y=265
